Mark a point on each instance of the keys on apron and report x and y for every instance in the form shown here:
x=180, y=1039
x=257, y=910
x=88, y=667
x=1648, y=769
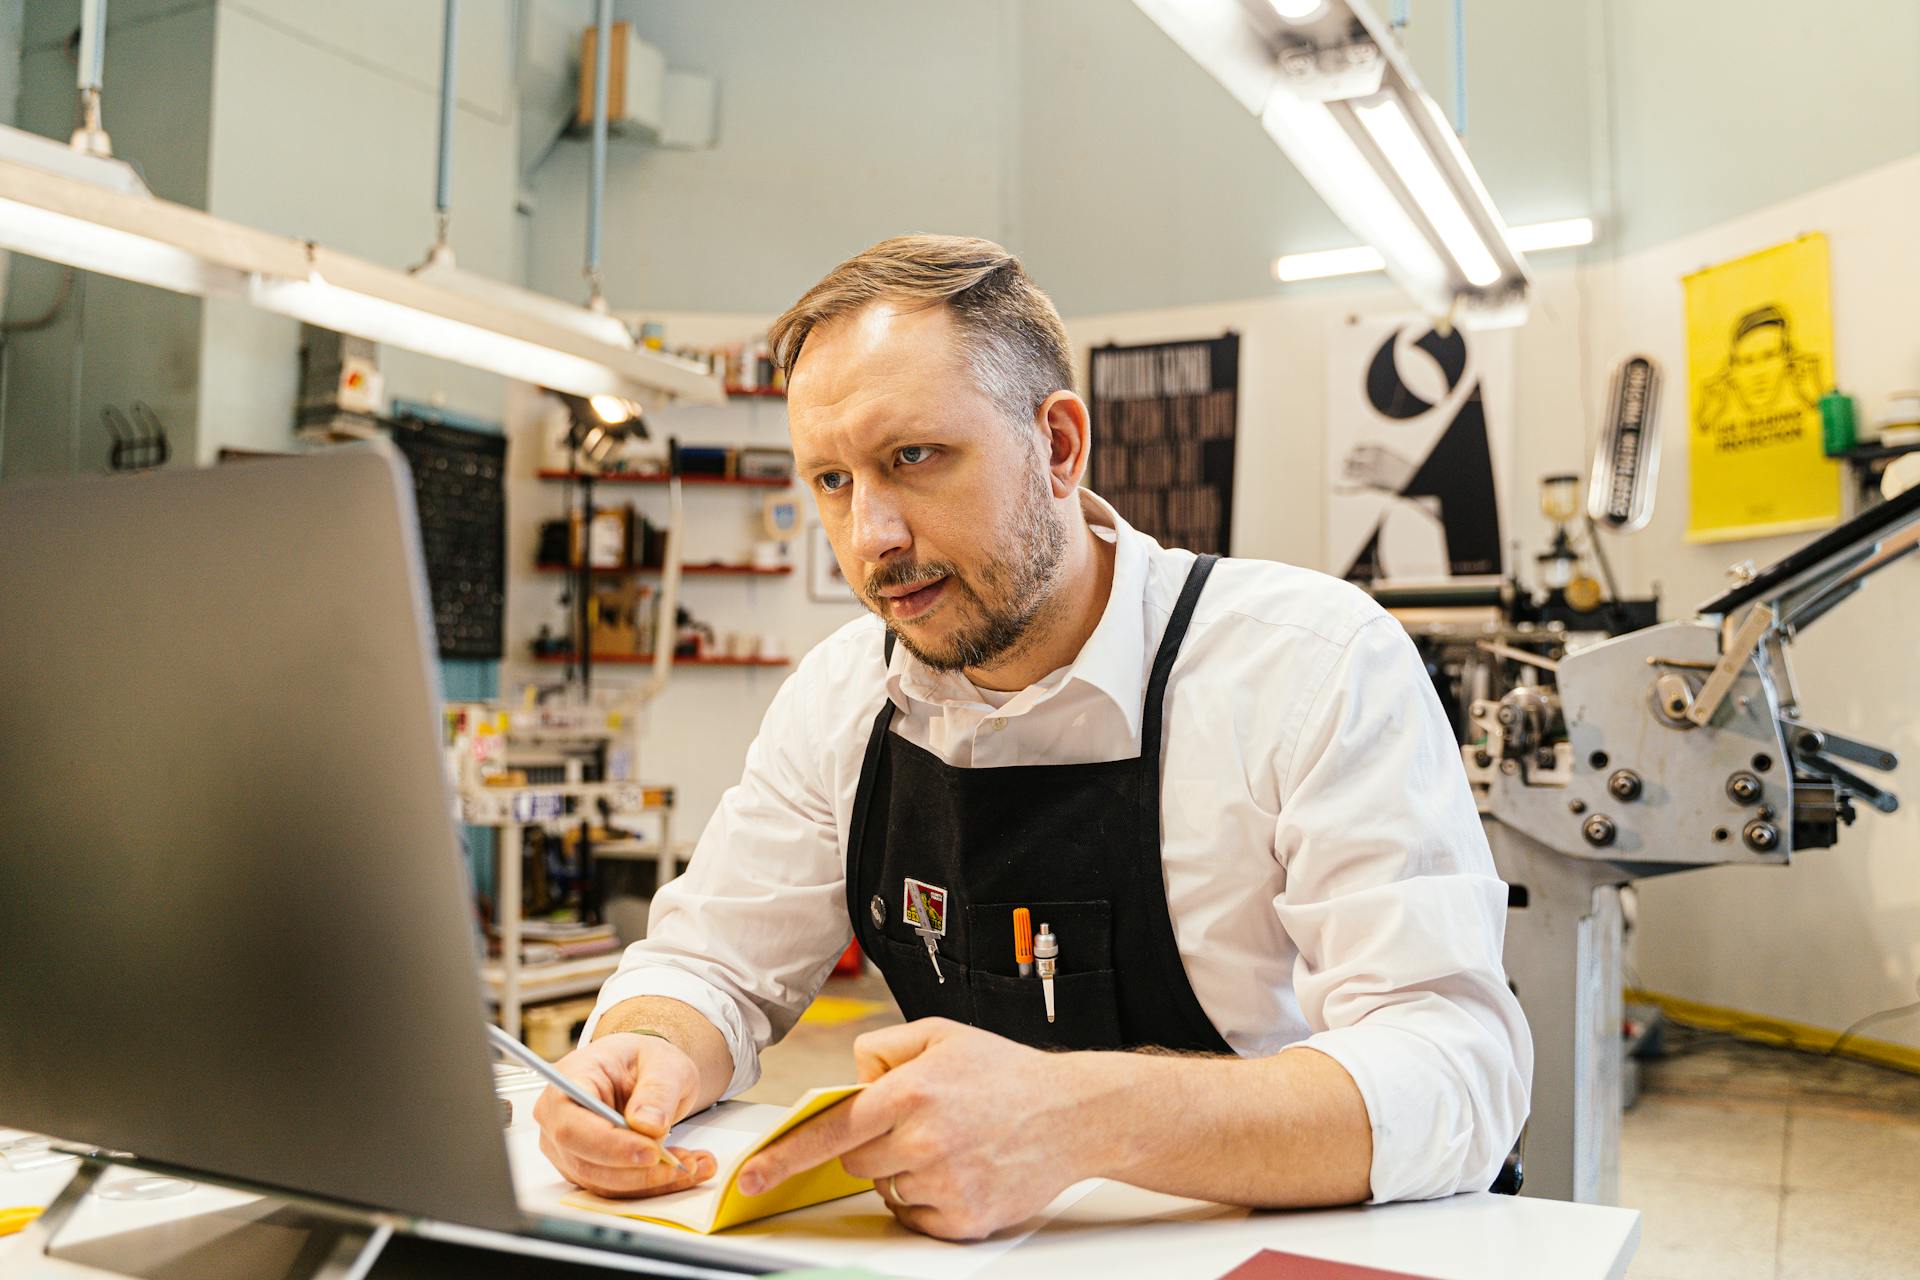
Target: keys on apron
x=926, y=930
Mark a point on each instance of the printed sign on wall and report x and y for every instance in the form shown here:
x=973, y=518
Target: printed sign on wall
x=1759, y=355
x=1163, y=437
x=1416, y=447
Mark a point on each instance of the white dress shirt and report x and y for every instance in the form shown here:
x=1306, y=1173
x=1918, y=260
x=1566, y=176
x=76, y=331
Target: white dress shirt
x=1326, y=872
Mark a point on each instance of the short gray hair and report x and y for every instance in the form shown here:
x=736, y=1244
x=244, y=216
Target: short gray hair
x=1015, y=344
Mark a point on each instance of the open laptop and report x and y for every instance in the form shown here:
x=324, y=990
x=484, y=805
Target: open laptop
x=235, y=936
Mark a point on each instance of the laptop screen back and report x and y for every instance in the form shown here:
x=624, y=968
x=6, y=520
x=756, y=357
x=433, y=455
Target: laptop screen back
x=234, y=931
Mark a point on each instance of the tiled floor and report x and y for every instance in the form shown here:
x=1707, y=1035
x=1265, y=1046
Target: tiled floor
x=1756, y=1162
x=1746, y=1161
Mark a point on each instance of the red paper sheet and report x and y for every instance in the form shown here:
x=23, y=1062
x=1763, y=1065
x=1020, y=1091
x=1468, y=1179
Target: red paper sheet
x=1269, y=1264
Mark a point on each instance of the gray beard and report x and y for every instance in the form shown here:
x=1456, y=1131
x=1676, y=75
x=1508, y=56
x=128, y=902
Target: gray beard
x=1016, y=592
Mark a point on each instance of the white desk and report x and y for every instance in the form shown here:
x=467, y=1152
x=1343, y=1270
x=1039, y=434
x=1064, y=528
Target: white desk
x=1112, y=1229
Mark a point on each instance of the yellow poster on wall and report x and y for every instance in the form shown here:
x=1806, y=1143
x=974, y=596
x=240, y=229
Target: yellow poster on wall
x=1759, y=357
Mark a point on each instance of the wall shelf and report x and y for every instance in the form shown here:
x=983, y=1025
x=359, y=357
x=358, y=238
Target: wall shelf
x=556, y=980
x=1868, y=462
x=756, y=393
x=715, y=570
x=646, y=659
x=660, y=477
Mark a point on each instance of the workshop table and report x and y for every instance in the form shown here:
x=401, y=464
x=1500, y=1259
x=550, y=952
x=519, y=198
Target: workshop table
x=1111, y=1229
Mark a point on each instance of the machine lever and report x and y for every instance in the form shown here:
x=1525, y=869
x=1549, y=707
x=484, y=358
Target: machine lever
x=1732, y=658
x=1808, y=740
x=1521, y=656
x=1817, y=607
x=1848, y=780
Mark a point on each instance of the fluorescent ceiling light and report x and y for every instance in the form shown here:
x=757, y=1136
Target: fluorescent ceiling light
x=1332, y=86
x=1329, y=159
x=318, y=302
x=438, y=270
x=1289, y=268
x=1386, y=120
x=114, y=227
x=1217, y=35
x=75, y=242
x=1567, y=233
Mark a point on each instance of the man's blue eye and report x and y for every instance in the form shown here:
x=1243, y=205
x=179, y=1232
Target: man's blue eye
x=830, y=481
x=915, y=453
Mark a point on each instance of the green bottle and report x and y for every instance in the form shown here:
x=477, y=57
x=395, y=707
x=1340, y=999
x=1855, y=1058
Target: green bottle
x=1836, y=423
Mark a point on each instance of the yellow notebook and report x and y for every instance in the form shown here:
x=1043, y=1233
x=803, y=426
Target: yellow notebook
x=718, y=1203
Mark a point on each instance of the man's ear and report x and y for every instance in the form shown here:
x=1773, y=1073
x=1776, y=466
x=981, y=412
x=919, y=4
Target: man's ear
x=1066, y=433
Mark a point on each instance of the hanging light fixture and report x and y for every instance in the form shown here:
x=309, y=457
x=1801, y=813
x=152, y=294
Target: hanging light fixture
x=1320, y=264
x=1332, y=87
x=75, y=206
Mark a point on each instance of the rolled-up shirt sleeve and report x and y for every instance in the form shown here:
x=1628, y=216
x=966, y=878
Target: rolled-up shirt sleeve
x=749, y=933
x=1392, y=900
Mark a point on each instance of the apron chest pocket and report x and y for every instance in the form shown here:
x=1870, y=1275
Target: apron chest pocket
x=1086, y=1006
x=910, y=977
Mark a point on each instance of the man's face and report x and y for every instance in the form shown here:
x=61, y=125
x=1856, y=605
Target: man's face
x=940, y=511
x=1760, y=365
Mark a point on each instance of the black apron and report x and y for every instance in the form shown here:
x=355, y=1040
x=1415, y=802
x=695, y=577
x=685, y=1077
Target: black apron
x=1078, y=845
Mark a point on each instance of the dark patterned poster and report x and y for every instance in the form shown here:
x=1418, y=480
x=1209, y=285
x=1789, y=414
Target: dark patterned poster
x=1164, y=418
x=1416, y=445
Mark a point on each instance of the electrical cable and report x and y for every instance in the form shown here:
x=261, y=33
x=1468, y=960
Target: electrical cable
x=1883, y=1015
x=443, y=165
x=32, y=324
x=47, y=316
x=597, y=176
x=1460, y=67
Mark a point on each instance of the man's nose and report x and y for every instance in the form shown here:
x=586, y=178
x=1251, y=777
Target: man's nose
x=878, y=527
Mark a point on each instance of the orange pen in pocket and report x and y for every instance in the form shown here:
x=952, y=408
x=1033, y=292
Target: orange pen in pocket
x=1023, y=941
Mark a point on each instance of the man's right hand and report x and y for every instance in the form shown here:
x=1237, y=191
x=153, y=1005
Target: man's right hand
x=651, y=1082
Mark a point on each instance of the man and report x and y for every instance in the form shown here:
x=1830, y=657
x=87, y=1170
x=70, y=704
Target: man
x=1227, y=787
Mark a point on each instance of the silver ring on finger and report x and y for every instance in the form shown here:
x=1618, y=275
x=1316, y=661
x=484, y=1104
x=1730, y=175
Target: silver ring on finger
x=890, y=1192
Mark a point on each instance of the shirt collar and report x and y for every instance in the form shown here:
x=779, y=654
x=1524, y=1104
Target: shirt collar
x=1113, y=660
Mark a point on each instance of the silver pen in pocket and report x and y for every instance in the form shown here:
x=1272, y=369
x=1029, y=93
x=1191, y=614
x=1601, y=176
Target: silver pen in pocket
x=1046, y=954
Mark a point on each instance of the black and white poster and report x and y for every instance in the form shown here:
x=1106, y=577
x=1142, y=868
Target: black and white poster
x=1417, y=445
x=1164, y=417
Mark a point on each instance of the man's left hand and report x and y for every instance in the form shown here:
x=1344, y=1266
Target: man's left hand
x=962, y=1131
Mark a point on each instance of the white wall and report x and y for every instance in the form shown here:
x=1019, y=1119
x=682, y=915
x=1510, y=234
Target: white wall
x=840, y=122
x=1722, y=106
x=324, y=126
x=1078, y=135
x=1837, y=934
x=111, y=342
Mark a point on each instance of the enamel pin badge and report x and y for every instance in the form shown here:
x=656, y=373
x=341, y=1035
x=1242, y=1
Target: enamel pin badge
x=927, y=913
x=926, y=907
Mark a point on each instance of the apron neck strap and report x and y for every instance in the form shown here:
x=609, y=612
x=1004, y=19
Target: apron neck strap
x=1169, y=650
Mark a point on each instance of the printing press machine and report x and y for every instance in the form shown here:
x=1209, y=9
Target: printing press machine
x=1606, y=747
x=1603, y=748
